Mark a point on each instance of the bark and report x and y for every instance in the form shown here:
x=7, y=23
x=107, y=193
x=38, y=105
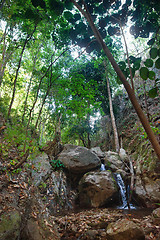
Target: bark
x=145, y=100
x=116, y=140
x=120, y=74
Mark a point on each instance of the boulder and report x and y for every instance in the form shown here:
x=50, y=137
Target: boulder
x=78, y=159
x=113, y=161
x=96, y=189
x=98, y=152
x=42, y=169
x=10, y=225
x=124, y=230
x=123, y=155
x=39, y=230
x=156, y=216
x=147, y=189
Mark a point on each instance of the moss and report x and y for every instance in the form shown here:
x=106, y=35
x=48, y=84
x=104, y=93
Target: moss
x=10, y=225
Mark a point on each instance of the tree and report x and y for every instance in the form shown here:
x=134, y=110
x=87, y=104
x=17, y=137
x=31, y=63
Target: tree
x=84, y=10
x=111, y=112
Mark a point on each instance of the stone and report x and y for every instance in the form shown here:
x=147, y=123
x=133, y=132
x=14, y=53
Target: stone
x=96, y=189
x=42, y=169
x=10, y=225
x=147, y=189
x=39, y=230
x=156, y=216
x=78, y=159
x=123, y=155
x=124, y=230
x=113, y=161
x=98, y=152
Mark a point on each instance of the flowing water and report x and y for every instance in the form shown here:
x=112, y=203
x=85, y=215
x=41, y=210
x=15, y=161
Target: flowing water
x=123, y=193
x=102, y=168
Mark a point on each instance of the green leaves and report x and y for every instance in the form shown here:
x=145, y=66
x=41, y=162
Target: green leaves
x=122, y=65
x=151, y=75
x=153, y=53
x=153, y=92
x=157, y=63
x=144, y=73
x=148, y=63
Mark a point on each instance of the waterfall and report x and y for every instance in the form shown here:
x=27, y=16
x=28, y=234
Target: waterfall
x=102, y=168
x=123, y=193
x=122, y=190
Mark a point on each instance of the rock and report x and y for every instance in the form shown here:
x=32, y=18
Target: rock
x=78, y=159
x=123, y=155
x=91, y=234
x=37, y=230
x=98, y=152
x=42, y=169
x=96, y=188
x=156, y=216
x=124, y=230
x=113, y=161
x=10, y=225
x=147, y=189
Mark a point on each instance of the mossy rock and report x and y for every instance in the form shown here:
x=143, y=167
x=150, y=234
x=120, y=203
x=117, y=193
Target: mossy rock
x=10, y=225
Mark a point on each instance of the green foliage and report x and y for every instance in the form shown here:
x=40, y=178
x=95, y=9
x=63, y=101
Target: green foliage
x=57, y=164
x=144, y=73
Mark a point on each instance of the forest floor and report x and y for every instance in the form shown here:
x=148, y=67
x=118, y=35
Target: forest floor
x=92, y=224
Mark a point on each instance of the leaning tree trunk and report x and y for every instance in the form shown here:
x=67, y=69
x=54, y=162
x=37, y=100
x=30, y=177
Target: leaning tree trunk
x=116, y=140
x=120, y=74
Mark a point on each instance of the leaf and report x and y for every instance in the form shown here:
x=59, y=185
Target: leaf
x=144, y=72
x=153, y=53
x=68, y=15
x=136, y=65
x=151, y=42
x=122, y=65
x=153, y=93
x=151, y=75
x=157, y=63
x=148, y=62
x=118, y=80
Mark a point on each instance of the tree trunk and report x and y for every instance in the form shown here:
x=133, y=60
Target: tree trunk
x=120, y=74
x=29, y=85
x=17, y=71
x=116, y=140
x=15, y=80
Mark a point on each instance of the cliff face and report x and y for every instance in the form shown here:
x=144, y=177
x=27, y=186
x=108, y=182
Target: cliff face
x=133, y=136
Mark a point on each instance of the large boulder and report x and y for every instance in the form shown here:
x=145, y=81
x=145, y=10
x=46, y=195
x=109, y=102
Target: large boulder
x=78, y=159
x=113, y=161
x=39, y=230
x=41, y=169
x=98, y=152
x=147, y=189
x=124, y=230
x=96, y=189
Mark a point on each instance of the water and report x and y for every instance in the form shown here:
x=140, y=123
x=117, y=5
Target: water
x=102, y=168
x=123, y=193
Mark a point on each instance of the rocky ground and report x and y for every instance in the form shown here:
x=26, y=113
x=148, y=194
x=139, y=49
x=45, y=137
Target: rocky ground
x=92, y=224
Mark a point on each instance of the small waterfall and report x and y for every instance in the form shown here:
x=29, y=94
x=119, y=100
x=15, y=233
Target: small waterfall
x=102, y=168
x=122, y=190
x=123, y=193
